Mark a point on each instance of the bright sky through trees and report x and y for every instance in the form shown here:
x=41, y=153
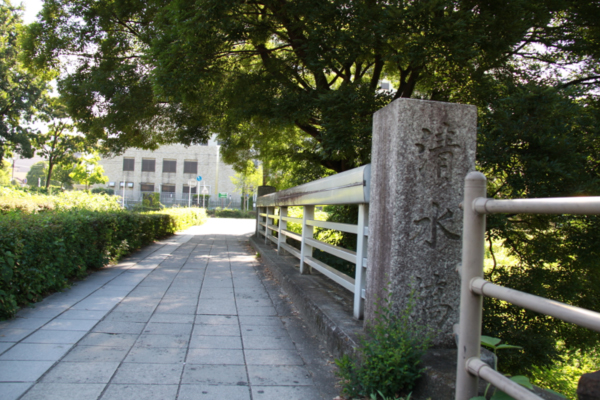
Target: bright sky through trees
x=32, y=8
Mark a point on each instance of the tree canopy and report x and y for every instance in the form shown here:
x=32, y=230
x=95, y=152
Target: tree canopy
x=87, y=171
x=151, y=72
x=37, y=174
x=59, y=145
x=5, y=172
x=22, y=91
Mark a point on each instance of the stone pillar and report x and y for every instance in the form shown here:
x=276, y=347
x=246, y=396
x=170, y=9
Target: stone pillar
x=589, y=386
x=261, y=191
x=421, y=153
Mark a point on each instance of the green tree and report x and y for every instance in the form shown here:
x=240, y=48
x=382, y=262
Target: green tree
x=58, y=145
x=247, y=180
x=37, y=174
x=540, y=141
x=61, y=176
x=172, y=71
x=87, y=171
x=22, y=92
x=5, y=172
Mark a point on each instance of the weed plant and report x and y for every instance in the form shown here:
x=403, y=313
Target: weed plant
x=387, y=363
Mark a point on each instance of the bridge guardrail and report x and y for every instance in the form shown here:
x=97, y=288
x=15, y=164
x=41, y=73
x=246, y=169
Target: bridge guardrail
x=474, y=287
x=350, y=187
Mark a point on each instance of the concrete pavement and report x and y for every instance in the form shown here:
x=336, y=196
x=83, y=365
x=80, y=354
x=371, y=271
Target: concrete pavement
x=192, y=317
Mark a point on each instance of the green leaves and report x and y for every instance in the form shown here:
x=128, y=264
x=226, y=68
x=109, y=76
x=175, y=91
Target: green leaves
x=40, y=253
x=172, y=71
x=87, y=171
x=388, y=357
x=490, y=341
x=22, y=91
x=7, y=266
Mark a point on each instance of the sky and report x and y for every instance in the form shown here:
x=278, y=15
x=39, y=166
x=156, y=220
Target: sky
x=32, y=8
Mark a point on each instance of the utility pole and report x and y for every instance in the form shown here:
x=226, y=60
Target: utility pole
x=217, y=173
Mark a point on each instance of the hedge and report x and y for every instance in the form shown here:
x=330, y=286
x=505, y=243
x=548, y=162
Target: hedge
x=20, y=201
x=41, y=253
x=231, y=213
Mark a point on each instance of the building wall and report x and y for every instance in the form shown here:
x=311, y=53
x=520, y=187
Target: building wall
x=215, y=174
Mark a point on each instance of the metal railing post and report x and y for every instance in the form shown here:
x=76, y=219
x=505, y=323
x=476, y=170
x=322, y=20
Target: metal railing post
x=283, y=212
x=257, y=231
x=267, y=224
x=307, y=232
x=360, y=275
x=469, y=336
x=263, y=219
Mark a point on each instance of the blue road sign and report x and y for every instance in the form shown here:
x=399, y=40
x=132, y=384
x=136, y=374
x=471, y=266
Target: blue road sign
x=198, y=178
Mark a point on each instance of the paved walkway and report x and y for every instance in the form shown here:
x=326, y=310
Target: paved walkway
x=185, y=318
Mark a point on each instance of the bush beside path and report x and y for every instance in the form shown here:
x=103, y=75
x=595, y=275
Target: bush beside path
x=48, y=241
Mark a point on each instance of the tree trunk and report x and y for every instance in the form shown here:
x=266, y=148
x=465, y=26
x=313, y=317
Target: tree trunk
x=50, y=167
x=265, y=174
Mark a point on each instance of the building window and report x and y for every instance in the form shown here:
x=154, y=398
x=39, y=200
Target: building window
x=128, y=164
x=147, y=187
x=186, y=189
x=169, y=166
x=148, y=165
x=190, y=167
x=168, y=188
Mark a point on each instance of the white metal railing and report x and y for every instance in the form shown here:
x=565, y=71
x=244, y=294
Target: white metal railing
x=474, y=287
x=350, y=187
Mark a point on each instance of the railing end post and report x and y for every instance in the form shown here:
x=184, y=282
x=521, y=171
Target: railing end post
x=475, y=177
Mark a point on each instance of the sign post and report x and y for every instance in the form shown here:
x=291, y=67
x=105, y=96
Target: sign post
x=198, y=179
x=123, y=195
x=191, y=183
x=204, y=193
x=221, y=197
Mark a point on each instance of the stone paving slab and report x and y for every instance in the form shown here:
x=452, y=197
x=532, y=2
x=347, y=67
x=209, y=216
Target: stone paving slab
x=190, y=317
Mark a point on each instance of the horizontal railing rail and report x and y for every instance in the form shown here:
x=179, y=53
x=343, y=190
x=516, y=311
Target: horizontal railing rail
x=350, y=187
x=474, y=287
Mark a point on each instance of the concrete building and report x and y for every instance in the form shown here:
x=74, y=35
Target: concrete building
x=169, y=171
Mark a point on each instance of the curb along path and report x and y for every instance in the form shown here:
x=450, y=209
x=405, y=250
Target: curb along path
x=186, y=318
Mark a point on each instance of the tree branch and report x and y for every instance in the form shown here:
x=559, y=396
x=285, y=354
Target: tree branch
x=578, y=81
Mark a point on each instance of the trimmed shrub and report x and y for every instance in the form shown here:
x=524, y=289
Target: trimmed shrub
x=152, y=201
x=102, y=190
x=41, y=253
x=232, y=213
x=20, y=201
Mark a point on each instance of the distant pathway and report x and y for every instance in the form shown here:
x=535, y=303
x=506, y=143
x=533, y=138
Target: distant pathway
x=186, y=318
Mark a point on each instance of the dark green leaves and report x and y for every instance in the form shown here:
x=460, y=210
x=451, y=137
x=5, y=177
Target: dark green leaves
x=41, y=253
x=21, y=91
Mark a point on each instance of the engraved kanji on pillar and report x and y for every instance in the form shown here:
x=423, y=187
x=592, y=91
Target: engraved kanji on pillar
x=436, y=153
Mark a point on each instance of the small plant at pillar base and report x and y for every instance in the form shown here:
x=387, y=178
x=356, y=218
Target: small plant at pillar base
x=388, y=358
